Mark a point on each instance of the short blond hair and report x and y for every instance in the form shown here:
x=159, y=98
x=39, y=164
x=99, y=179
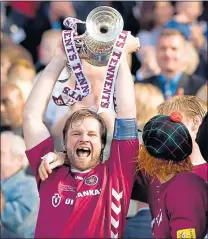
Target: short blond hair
x=167, y=32
x=188, y=105
x=21, y=63
x=148, y=97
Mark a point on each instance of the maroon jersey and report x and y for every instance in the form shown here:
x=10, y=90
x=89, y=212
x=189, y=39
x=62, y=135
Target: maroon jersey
x=179, y=207
x=201, y=170
x=90, y=204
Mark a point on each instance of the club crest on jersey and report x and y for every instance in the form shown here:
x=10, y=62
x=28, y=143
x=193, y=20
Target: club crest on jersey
x=56, y=199
x=91, y=180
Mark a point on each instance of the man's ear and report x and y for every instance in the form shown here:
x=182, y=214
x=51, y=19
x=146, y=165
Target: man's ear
x=197, y=120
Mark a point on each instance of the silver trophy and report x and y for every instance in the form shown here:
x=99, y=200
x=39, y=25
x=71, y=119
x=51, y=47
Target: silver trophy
x=103, y=25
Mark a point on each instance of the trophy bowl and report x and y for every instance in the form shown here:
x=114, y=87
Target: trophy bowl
x=103, y=25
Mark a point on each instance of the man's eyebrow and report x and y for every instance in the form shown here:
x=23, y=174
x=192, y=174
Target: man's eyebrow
x=92, y=131
x=74, y=130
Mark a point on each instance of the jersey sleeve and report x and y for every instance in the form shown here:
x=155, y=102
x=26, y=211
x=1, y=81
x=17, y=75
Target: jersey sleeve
x=124, y=151
x=34, y=155
x=187, y=210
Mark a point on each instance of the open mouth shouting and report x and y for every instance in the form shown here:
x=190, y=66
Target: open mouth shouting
x=83, y=152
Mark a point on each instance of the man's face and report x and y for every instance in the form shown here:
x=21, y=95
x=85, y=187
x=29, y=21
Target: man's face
x=163, y=12
x=192, y=9
x=11, y=106
x=170, y=53
x=84, y=144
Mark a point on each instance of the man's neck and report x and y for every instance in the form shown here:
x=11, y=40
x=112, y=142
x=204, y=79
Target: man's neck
x=168, y=74
x=196, y=157
x=74, y=170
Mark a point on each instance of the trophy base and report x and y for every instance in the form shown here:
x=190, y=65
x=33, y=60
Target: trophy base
x=97, y=60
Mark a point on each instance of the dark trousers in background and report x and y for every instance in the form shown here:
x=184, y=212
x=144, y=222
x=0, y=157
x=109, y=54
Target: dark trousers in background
x=139, y=226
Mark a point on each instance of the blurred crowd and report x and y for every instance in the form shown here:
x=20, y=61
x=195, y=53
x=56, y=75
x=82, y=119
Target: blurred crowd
x=172, y=61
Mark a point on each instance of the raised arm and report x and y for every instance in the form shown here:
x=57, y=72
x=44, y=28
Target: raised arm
x=125, y=96
x=34, y=129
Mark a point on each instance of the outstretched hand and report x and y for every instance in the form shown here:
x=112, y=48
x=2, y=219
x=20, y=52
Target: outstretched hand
x=132, y=44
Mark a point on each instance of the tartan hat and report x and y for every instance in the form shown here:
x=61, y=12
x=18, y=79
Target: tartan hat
x=166, y=138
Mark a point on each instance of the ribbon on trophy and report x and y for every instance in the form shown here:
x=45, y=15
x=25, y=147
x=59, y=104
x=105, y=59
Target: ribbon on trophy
x=68, y=96
x=108, y=98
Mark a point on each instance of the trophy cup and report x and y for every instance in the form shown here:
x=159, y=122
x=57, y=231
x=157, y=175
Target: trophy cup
x=104, y=29
x=103, y=25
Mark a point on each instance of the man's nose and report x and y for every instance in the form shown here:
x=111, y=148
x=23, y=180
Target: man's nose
x=168, y=52
x=84, y=138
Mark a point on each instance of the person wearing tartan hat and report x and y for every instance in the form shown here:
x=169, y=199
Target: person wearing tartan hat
x=193, y=110
x=177, y=197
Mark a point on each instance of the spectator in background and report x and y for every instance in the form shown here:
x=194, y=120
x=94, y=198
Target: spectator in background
x=148, y=98
x=16, y=51
x=187, y=14
x=28, y=22
x=186, y=21
x=49, y=41
x=171, y=59
x=22, y=73
x=149, y=65
x=9, y=55
x=22, y=68
x=12, y=103
x=19, y=195
x=153, y=16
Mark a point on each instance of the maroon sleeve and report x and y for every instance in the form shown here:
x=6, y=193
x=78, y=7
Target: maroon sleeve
x=122, y=161
x=34, y=155
x=187, y=209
